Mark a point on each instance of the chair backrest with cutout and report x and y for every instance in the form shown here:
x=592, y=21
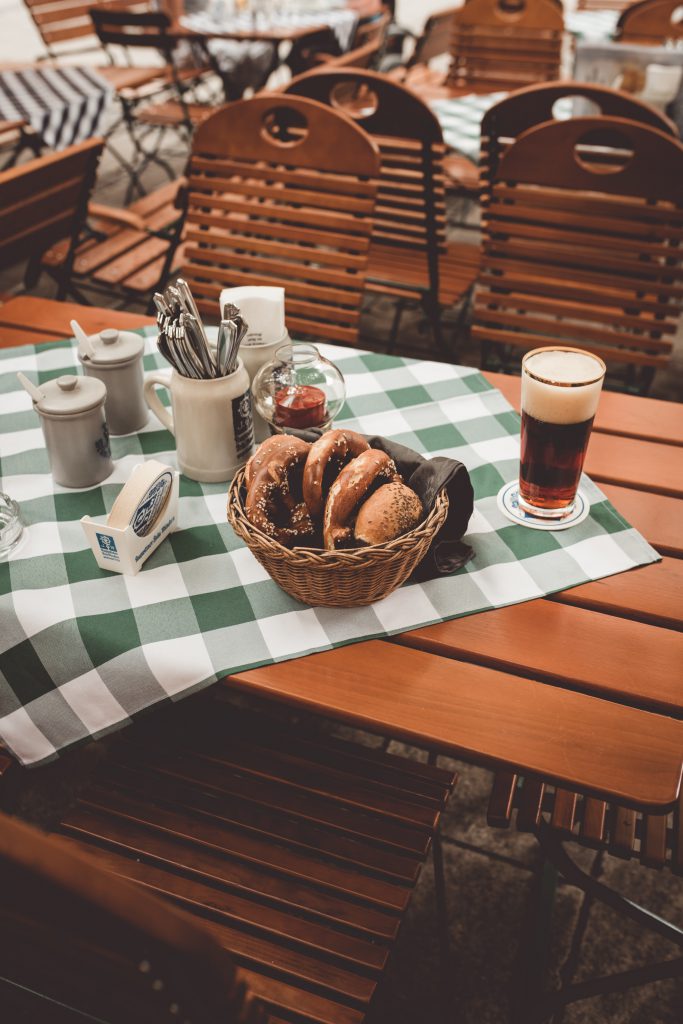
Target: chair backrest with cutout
x=45, y=200
x=505, y=44
x=651, y=22
x=583, y=252
x=84, y=944
x=506, y=120
x=410, y=210
x=281, y=191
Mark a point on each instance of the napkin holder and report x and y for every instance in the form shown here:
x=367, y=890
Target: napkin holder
x=120, y=548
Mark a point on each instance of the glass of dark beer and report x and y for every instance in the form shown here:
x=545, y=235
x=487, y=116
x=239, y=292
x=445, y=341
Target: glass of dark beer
x=560, y=391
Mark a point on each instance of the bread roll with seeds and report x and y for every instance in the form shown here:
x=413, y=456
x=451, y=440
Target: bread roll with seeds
x=390, y=512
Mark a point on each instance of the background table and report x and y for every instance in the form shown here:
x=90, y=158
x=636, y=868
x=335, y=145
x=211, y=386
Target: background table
x=582, y=688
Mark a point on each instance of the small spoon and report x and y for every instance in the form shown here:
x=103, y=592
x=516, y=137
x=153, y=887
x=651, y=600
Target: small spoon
x=28, y=385
x=85, y=346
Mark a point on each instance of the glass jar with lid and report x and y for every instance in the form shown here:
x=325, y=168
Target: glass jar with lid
x=298, y=389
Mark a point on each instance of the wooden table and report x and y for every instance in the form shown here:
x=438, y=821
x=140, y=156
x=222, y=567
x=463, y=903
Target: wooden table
x=583, y=688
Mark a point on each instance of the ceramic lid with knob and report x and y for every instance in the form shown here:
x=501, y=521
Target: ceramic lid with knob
x=70, y=395
x=112, y=346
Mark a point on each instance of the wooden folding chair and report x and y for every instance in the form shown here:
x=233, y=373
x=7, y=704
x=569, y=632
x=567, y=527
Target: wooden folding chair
x=66, y=29
x=410, y=259
x=561, y=819
x=181, y=110
x=650, y=23
x=82, y=944
x=125, y=254
x=297, y=852
x=44, y=200
x=505, y=44
x=281, y=191
x=581, y=244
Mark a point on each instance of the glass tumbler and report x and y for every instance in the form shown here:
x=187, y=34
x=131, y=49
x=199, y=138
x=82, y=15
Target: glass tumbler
x=560, y=391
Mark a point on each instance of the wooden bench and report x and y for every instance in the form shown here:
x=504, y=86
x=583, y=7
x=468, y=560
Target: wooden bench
x=296, y=851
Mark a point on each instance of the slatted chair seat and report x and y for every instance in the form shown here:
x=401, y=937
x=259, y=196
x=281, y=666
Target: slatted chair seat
x=409, y=258
x=495, y=47
x=654, y=839
x=281, y=192
x=127, y=255
x=297, y=851
x=584, y=250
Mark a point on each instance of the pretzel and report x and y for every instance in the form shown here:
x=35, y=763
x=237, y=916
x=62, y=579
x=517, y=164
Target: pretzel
x=270, y=448
x=349, y=490
x=270, y=504
x=330, y=453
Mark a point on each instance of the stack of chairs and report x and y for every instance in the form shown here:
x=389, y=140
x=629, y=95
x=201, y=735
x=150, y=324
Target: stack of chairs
x=582, y=221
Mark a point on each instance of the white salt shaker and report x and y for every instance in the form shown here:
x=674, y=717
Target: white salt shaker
x=115, y=358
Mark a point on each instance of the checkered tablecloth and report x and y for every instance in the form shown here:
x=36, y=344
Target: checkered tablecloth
x=341, y=20
x=84, y=651
x=460, y=120
x=63, y=105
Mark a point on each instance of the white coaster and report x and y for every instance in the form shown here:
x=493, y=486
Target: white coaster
x=508, y=504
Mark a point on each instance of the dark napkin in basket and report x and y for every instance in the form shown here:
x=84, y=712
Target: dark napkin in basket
x=426, y=477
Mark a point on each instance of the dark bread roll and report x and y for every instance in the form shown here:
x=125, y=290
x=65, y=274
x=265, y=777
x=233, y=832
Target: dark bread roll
x=391, y=511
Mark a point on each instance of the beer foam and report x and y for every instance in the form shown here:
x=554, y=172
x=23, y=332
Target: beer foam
x=553, y=404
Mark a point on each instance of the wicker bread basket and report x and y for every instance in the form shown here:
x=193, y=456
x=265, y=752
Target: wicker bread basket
x=343, y=579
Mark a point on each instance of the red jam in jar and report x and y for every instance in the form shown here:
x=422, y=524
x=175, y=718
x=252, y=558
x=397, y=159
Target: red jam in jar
x=300, y=406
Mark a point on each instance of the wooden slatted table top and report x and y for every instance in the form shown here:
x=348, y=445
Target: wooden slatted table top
x=584, y=688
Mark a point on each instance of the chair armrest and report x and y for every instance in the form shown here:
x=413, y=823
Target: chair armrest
x=124, y=218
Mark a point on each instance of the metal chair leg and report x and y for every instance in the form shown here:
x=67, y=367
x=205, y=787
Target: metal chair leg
x=552, y=1004
x=526, y=1002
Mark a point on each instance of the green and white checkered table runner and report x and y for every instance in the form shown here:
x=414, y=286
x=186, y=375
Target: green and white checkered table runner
x=83, y=651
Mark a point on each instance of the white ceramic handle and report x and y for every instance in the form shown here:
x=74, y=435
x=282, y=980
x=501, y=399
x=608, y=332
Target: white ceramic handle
x=164, y=415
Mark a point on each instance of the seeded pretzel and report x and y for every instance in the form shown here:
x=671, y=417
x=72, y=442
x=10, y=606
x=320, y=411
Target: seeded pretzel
x=270, y=505
x=337, y=448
